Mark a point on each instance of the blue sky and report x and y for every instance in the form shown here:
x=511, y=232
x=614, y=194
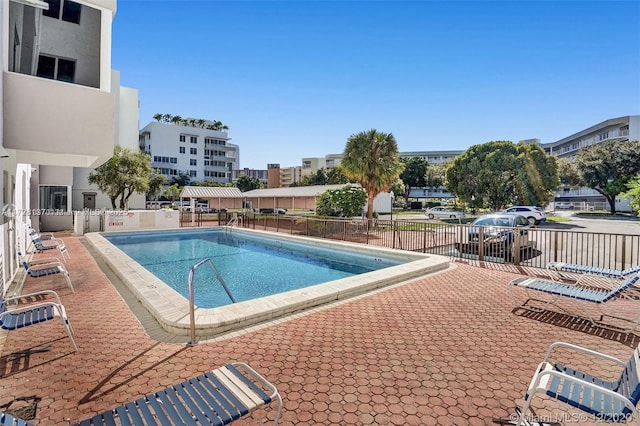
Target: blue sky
x=295, y=78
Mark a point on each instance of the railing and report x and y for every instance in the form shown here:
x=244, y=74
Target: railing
x=192, y=315
x=535, y=249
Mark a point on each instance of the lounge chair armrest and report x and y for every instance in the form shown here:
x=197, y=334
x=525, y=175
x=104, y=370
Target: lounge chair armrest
x=38, y=293
x=580, y=349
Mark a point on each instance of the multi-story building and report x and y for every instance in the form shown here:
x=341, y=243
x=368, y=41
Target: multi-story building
x=282, y=177
x=200, y=153
x=625, y=128
x=310, y=166
x=61, y=114
x=260, y=174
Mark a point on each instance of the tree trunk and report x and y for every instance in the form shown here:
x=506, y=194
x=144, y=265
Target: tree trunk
x=612, y=203
x=370, y=211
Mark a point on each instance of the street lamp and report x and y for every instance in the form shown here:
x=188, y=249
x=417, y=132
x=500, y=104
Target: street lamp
x=391, y=198
x=473, y=204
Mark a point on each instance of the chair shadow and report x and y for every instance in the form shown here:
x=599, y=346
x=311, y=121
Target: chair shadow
x=97, y=390
x=23, y=407
x=574, y=323
x=19, y=361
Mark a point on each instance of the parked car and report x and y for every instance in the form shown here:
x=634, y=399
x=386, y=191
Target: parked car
x=563, y=205
x=534, y=214
x=440, y=212
x=273, y=211
x=498, y=234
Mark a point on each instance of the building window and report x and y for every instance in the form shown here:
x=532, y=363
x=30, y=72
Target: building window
x=194, y=139
x=193, y=173
x=183, y=138
x=56, y=68
x=194, y=151
x=193, y=162
x=70, y=10
x=182, y=150
x=53, y=198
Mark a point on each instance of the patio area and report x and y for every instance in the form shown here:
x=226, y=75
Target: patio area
x=446, y=349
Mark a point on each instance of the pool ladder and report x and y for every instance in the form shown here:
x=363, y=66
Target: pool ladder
x=192, y=314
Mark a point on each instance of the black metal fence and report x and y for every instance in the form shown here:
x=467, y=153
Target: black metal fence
x=531, y=247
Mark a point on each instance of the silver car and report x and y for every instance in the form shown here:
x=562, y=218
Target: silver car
x=440, y=212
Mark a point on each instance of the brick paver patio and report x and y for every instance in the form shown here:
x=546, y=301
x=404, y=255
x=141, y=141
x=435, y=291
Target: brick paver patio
x=442, y=350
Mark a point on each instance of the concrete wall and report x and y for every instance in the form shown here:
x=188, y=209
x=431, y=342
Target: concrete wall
x=145, y=219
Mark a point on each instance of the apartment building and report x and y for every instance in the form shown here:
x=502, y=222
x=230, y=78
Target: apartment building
x=260, y=174
x=310, y=166
x=62, y=112
x=200, y=153
x=625, y=128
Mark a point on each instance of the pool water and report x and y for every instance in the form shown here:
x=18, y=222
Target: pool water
x=251, y=266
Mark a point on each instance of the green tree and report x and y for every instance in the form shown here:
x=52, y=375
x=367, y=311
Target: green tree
x=608, y=167
x=347, y=201
x=500, y=173
x=435, y=176
x=182, y=180
x=536, y=175
x=247, y=183
x=319, y=178
x=371, y=158
x=633, y=192
x=336, y=176
x=413, y=175
x=126, y=172
x=567, y=172
x=156, y=182
x=172, y=192
x=397, y=187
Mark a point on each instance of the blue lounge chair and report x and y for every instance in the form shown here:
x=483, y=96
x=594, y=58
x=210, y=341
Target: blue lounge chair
x=25, y=315
x=606, y=400
x=9, y=420
x=44, y=267
x=218, y=397
x=215, y=398
x=48, y=242
x=586, y=297
x=569, y=270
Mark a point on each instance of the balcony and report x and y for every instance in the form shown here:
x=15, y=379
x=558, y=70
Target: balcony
x=69, y=125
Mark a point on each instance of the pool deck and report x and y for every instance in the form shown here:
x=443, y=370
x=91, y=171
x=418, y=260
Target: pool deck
x=444, y=349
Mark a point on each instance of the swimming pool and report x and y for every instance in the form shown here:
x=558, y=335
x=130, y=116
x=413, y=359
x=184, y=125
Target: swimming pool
x=171, y=309
x=252, y=266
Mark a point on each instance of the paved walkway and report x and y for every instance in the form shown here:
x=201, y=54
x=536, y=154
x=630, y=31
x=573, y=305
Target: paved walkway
x=442, y=350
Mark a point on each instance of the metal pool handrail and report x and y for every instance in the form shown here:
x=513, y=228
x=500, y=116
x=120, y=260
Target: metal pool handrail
x=192, y=315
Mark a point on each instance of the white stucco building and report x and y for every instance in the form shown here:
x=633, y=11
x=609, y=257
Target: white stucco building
x=62, y=112
x=202, y=154
x=625, y=128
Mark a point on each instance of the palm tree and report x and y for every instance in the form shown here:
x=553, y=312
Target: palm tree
x=167, y=118
x=372, y=159
x=158, y=117
x=176, y=119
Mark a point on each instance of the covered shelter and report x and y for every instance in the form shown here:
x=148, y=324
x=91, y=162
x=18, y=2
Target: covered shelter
x=290, y=198
x=218, y=197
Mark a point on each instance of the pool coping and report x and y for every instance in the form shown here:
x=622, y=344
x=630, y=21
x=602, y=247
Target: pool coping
x=172, y=312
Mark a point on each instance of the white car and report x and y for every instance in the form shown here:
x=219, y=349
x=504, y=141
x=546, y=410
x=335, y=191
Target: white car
x=534, y=214
x=440, y=212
